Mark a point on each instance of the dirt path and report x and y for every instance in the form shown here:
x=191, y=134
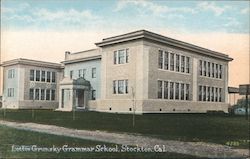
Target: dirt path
x=200, y=149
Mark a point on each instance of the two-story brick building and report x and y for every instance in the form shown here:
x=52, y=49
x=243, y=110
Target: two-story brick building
x=144, y=72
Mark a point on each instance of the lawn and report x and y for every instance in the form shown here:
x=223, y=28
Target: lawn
x=10, y=136
x=222, y=129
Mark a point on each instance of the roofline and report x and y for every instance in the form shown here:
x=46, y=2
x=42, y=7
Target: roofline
x=23, y=61
x=72, y=53
x=82, y=59
x=147, y=35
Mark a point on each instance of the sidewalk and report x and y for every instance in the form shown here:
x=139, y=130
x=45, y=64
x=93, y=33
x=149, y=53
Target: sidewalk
x=200, y=149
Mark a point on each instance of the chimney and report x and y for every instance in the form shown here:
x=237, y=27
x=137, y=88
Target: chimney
x=66, y=54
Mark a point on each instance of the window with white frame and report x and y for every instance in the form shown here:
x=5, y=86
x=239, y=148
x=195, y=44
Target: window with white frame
x=160, y=59
x=200, y=67
x=160, y=89
x=210, y=69
x=171, y=61
x=53, y=94
x=121, y=56
x=120, y=87
x=81, y=73
x=47, y=94
x=187, y=64
x=11, y=73
x=32, y=75
x=48, y=76
x=37, y=94
x=177, y=61
x=176, y=91
x=165, y=89
x=31, y=94
x=38, y=75
x=43, y=76
x=93, y=72
x=42, y=94
x=93, y=94
x=210, y=94
x=173, y=90
x=10, y=92
x=166, y=60
x=53, y=77
x=182, y=63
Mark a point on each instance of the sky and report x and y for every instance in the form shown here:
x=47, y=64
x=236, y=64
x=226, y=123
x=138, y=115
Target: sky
x=45, y=29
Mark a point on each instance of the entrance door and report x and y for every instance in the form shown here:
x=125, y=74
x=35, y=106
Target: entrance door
x=80, y=97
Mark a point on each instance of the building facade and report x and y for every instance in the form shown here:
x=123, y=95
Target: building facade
x=144, y=72
x=30, y=84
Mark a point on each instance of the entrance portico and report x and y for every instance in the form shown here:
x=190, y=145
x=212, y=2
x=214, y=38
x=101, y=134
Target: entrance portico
x=73, y=94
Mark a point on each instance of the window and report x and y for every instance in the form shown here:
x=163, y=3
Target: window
x=177, y=63
x=160, y=89
x=48, y=76
x=160, y=59
x=171, y=90
x=53, y=77
x=220, y=94
x=204, y=93
x=42, y=94
x=120, y=87
x=32, y=75
x=93, y=94
x=200, y=67
x=126, y=86
x=182, y=63
x=176, y=90
x=37, y=75
x=216, y=70
x=216, y=95
x=213, y=70
x=204, y=68
x=47, y=94
x=182, y=91
x=11, y=73
x=212, y=94
x=171, y=62
x=208, y=72
x=114, y=87
x=121, y=56
x=208, y=93
x=187, y=91
x=53, y=94
x=166, y=58
x=80, y=73
x=93, y=72
x=115, y=57
x=37, y=93
x=71, y=74
x=165, y=90
x=187, y=64
x=220, y=72
x=200, y=93
x=43, y=76
x=31, y=94
x=10, y=92
x=127, y=53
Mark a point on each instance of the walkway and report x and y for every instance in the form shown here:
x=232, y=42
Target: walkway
x=200, y=149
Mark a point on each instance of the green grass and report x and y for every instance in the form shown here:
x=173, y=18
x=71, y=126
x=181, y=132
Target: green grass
x=222, y=129
x=10, y=136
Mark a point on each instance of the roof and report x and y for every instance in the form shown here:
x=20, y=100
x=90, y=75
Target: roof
x=30, y=62
x=147, y=35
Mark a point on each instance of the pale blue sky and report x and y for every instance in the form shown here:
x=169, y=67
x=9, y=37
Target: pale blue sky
x=185, y=16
